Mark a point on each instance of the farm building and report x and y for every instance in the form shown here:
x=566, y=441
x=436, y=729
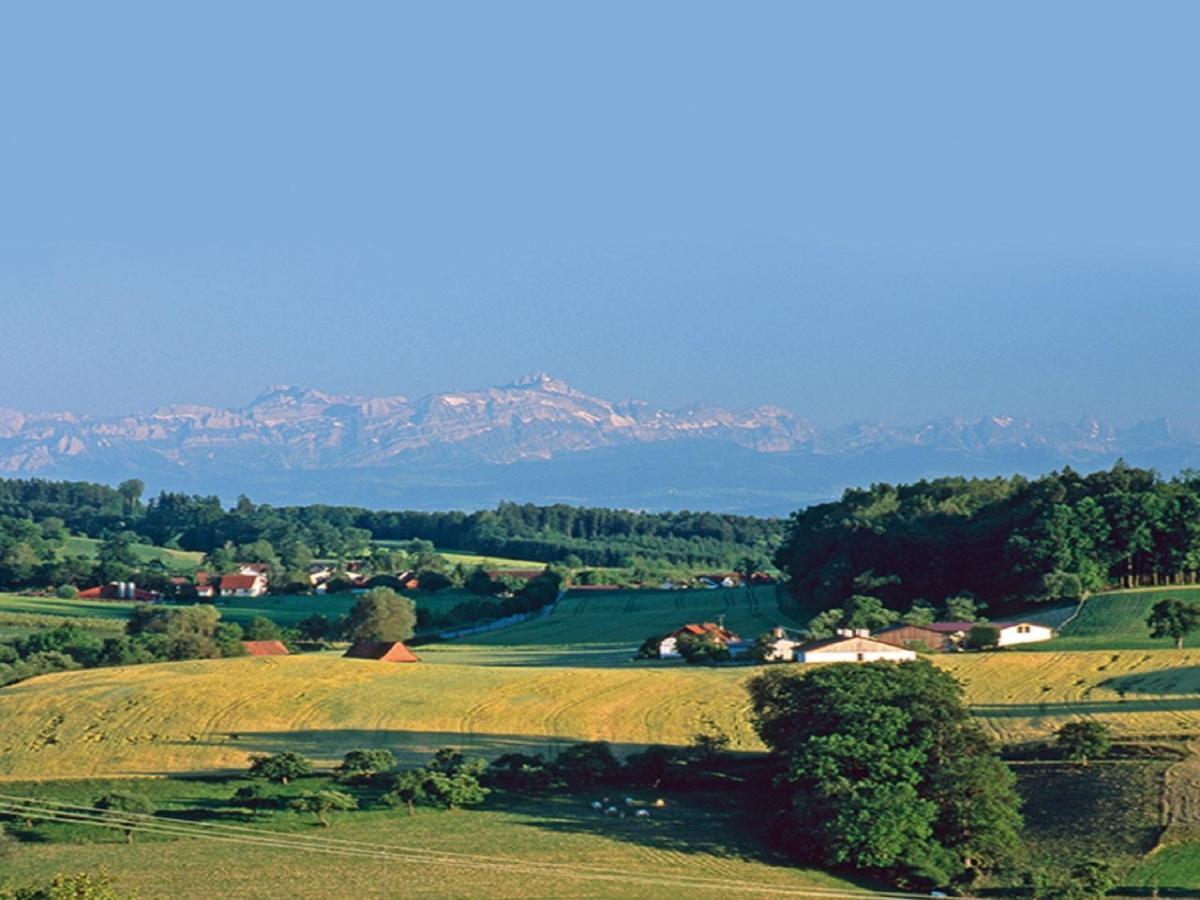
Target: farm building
x=911, y=636
x=383, y=651
x=205, y=586
x=1010, y=632
x=119, y=590
x=851, y=647
x=265, y=648
x=667, y=649
x=243, y=585
x=782, y=648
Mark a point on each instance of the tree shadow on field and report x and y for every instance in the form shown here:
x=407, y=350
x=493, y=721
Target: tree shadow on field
x=411, y=748
x=1183, y=681
x=727, y=824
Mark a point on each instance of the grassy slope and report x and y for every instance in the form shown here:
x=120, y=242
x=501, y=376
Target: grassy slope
x=474, y=559
x=180, y=562
x=585, y=620
x=1117, y=621
x=707, y=840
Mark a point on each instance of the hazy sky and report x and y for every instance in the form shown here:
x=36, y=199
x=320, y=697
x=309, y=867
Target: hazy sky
x=855, y=210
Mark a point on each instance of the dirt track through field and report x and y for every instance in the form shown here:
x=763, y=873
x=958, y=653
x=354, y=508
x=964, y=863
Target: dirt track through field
x=1181, y=792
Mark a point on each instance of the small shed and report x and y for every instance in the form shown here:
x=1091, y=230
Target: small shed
x=383, y=651
x=265, y=648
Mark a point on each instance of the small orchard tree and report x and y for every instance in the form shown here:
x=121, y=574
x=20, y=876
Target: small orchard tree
x=1173, y=618
x=458, y=790
x=124, y=802
x=380, y=615
x=366, y=763
x=322, y=803
x=1085, y=740
x=409, y=788
x=983, y=637
x=280, y=767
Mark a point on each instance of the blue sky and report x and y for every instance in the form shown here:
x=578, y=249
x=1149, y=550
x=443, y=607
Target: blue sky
x=855, y=210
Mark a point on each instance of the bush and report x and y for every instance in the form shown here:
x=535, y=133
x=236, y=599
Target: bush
x=983, y=637
x=586, y=764
x=521, y=773
x=66, y=592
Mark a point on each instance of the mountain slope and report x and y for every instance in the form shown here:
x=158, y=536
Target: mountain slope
x=540, y=439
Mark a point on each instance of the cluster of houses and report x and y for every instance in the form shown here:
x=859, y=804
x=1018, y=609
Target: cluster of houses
x=896, y=643
x=715, y=580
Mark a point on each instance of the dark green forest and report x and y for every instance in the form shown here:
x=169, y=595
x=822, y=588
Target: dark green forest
x=1009, y=541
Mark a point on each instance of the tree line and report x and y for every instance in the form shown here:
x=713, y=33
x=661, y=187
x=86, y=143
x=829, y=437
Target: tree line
x=36, y=515
x=1010, y=541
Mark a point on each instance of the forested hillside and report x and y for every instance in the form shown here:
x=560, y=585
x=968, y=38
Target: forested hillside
x=36, y=518
x=1010, y=541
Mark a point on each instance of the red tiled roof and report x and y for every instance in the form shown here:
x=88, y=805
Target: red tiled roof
x=265, y=648
x=721, y=634
x=238, y=582
x=384, y=651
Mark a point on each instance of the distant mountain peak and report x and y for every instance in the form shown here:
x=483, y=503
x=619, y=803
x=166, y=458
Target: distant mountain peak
x=542, y=381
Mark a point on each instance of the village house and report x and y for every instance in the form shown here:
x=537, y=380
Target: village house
x=667, y=646
x=206, y=588
x=1011, y=633
x=852, y=646
x=243, y=585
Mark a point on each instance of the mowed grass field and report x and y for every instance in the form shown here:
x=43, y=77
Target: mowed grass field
x=553, y=846
x=212, y=714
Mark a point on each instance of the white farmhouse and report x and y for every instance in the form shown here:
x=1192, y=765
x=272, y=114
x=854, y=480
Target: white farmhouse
x=1010, y=632
x=852, y=646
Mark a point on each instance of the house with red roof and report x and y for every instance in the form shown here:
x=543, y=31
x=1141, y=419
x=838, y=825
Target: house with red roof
x=243, y=585
x=667, y=648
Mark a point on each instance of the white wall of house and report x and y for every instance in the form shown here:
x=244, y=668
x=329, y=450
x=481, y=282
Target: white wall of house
x=666, y=649
x=782, y=650
x=899, y=654
x=1024, y=633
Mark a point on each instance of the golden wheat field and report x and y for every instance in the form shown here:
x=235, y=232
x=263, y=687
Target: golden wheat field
x=212, y=714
